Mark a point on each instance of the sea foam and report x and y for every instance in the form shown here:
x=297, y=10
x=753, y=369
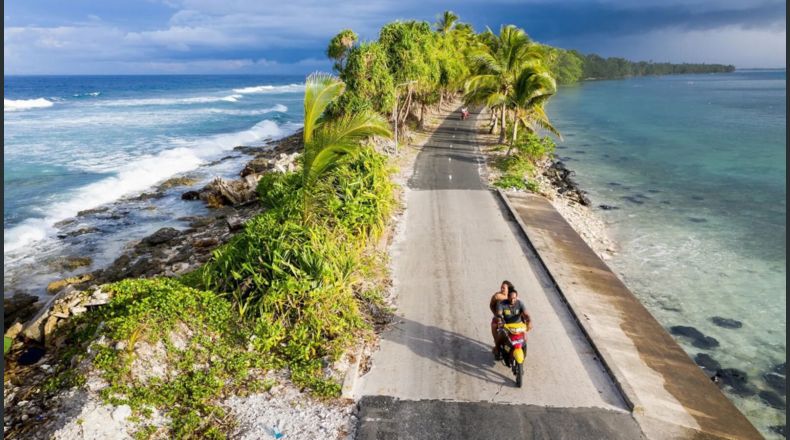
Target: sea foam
x=79, y=95
x=12, y=105
x=134, y=177
x=290, y=88
x=278, y=108
x=173, y=101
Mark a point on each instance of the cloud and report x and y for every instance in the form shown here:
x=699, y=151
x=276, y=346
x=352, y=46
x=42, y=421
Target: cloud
x=182, y=38
x=622, y=18
x=193, y=36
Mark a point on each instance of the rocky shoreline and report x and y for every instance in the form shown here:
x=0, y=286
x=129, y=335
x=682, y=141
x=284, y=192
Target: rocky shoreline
x=33, y=324
x=31, y=413
x=170, y=251
x=557, y=184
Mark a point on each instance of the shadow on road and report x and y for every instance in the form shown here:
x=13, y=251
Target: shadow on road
x=450, y=349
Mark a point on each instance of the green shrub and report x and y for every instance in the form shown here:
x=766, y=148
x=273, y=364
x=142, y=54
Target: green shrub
x=212, y=360
x=294, y=282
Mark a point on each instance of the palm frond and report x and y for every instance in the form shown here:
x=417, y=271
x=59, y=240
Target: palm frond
x=320, y=90
x=337, y=137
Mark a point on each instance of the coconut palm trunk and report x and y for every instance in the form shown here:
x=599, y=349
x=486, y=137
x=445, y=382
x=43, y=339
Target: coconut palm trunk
x=502, y=129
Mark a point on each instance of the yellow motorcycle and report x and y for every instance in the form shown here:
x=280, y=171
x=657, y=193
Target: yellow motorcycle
x=515, y=349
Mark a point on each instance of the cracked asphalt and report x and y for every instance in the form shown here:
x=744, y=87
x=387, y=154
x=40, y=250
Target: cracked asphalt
x=434, y=375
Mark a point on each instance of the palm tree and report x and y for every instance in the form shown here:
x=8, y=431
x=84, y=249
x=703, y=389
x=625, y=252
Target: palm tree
x=531, y=91
x=326, y=142
x=446, y=22
x=499, y=62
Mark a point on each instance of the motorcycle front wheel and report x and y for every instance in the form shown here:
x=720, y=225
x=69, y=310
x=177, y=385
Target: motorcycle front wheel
x=519, y=374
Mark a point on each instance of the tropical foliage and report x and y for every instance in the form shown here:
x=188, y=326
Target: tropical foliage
x=510, y=75
x=327, y=141
x=340, y=46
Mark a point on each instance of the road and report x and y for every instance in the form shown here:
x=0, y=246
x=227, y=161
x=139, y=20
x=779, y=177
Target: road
x=434, y=375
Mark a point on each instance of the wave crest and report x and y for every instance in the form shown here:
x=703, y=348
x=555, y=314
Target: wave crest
x=135, y=176
x=173, y=101
x=11, y=105
x=290, y=88
x=79, y=95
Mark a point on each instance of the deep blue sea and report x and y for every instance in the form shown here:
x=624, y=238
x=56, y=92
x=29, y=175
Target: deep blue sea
x=695, y=167
x=74, y=143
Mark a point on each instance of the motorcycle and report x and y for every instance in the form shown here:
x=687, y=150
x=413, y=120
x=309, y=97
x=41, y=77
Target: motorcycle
x=515, y=349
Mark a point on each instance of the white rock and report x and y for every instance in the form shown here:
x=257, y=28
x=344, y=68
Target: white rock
x=121, y=413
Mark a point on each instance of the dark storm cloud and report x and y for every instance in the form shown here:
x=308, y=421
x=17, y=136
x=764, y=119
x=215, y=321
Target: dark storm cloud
x=550, y=21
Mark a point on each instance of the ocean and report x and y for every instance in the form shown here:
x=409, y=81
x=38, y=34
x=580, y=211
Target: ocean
x=75, y=143
x=692, y=169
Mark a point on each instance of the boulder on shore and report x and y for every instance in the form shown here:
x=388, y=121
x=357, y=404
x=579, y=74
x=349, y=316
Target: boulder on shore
x=20, y=307
x=161, y=236
x=56, y=286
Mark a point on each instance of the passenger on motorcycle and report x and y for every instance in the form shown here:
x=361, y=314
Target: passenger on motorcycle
x=510, y=311
x=496, y=298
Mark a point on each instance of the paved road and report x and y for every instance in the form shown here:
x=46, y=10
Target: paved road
x=456, y=246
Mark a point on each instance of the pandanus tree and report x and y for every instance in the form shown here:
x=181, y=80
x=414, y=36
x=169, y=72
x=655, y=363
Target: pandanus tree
x=340, y=46
x=497, y=66
x=532, y=89
x=327, y=142
x=413, y=60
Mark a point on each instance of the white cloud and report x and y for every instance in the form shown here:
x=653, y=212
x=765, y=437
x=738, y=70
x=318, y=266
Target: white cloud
x=182, y=38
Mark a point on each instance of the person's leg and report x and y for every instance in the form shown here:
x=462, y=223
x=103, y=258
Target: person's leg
x=495, y=335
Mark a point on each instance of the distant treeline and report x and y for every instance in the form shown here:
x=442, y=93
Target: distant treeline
x=571, y=66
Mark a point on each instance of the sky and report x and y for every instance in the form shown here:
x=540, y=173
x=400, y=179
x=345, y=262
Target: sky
x=290, y=36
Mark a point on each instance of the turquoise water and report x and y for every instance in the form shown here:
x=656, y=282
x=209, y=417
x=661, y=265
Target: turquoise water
x=695, y=166
x=73, y=143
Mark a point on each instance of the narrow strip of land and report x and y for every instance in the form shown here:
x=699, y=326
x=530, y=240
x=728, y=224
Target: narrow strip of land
x=458, y=244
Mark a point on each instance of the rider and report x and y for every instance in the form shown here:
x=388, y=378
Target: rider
x=511, y=311
x=496, y=297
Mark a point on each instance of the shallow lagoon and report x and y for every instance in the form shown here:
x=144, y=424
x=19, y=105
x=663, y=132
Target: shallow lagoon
x=696, y=166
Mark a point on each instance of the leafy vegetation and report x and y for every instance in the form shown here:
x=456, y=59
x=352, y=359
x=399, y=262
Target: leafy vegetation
x=326, y=142
x=570, y=66
x=203, y=353
x=369, y=83
x=519, y=168
x=340, y=46
x=510, y=75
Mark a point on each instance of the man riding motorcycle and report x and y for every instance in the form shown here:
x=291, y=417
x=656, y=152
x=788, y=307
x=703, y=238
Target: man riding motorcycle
x=509, y=311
